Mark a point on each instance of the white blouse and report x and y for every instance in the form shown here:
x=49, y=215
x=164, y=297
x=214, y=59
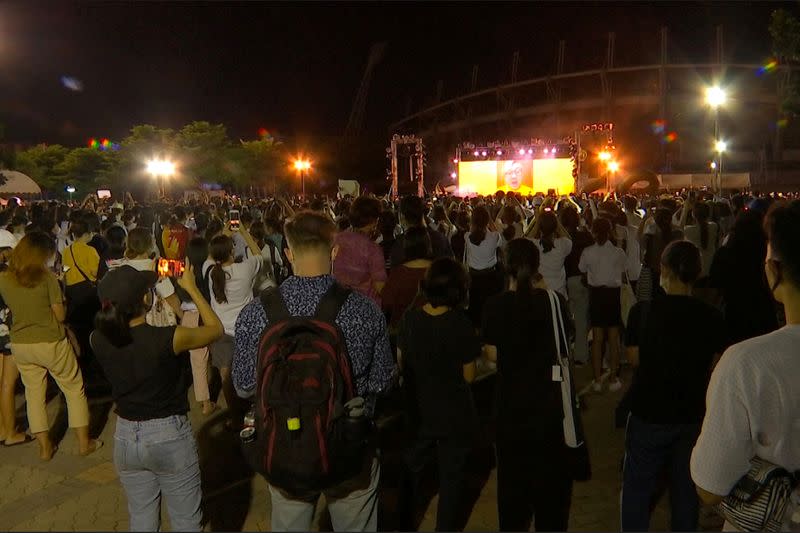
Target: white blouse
x=484, y=255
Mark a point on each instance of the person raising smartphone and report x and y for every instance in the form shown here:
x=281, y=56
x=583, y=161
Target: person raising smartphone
x=155, y=452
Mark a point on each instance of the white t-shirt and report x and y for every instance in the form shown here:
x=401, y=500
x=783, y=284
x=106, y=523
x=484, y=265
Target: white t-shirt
x=484, y=255
x=752, y=409
x=692, y=234
x=239, y=282
x=164, y=286
x=603, y=265
x=551, y=264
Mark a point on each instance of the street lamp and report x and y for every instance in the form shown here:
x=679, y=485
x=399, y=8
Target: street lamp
x=713, y=165
x=160, y=169
x=302, y=166
x=70, y=189
x=716, y=97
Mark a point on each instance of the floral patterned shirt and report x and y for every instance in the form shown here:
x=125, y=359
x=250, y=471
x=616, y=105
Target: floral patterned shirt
x=361, y=322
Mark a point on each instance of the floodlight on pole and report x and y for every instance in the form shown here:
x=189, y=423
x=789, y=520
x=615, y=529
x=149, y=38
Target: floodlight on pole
x=713, y=165
x=720, y=146
x=613, y=166
x=302, y=166
x=715, y=96
x=160, y=169
x=604, y=155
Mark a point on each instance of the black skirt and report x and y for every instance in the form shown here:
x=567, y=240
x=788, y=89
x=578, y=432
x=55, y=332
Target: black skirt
x=605, y=309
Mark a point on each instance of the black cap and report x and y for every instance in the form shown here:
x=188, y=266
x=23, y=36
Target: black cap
x=125, y=286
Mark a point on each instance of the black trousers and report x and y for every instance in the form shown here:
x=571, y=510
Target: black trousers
x=451, y=455
x=533, y=479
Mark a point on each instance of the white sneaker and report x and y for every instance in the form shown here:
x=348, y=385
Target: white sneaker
x=615, y=385
x=596, y=386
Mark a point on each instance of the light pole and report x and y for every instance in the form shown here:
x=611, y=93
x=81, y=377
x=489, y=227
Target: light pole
x=715, y=97
x=720, y=146
x=613, y=168
x=302, y=166
x=161, y=169
x=70, y=189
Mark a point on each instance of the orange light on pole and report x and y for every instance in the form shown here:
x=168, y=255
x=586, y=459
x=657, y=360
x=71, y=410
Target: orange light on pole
x=302, y=166
x=613, y=166
x=604, y=155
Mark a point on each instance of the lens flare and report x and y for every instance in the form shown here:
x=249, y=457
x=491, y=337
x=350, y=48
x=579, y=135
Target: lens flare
x=770, y=66
x=658, y=126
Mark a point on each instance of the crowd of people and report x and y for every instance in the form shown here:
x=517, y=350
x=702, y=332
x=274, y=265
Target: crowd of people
x=698, y=293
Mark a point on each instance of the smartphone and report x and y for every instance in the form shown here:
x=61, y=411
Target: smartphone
x=103, y=193
x=170, y=268
x=233, y=216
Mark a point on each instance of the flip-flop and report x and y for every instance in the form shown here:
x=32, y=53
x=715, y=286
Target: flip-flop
x=97, y=445
x=26, y=440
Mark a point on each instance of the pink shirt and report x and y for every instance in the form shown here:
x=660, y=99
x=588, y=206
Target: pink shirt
x=359, y=263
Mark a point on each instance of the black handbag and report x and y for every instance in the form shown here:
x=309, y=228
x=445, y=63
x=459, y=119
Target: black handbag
x=82, y=299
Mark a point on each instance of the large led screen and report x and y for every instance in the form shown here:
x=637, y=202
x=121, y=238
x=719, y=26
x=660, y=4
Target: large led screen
x=525, y=176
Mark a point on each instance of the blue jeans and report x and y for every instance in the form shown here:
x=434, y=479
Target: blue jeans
x=649, y=448
x=154, y=458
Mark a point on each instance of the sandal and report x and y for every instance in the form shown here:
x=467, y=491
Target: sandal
x=97, y=445
x=26, y=440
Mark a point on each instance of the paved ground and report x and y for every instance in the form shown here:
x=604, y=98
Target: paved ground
x=74, y=493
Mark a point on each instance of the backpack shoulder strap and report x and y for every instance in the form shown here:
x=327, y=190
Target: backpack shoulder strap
x=274, y=306
x=331, y=302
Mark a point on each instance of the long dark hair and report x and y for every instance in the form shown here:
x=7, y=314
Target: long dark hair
x=113, y=321
x=663, y=219
x=548, y=227
x=480, y=222
x=221, y=250
x=522, y=265
x=701, y=213
x=601, y=230
x=197, y=253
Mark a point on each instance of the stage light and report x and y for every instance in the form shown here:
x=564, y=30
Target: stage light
x=604, y=156
x=530, y=151
x=721, y=146
x=484, y=153
x=499, y=152
x=715, y=96
x=453, y=175
x=613, y=166
x=522, y=151
x=476, y=153
x=455, y=161
x=546, y=150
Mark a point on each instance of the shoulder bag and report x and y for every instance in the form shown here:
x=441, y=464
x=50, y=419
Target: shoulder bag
x=760, y=499
x=580, y=467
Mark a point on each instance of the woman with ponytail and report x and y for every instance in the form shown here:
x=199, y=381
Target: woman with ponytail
x=604, y=264
x=703, y=234
x=437, y=348
x=533, y=478
x=231, y=289
x=155, y=453
x=554, y=245
x=480, y=256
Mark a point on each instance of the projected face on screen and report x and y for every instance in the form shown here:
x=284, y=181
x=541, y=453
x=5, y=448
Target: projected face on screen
x=512, y=174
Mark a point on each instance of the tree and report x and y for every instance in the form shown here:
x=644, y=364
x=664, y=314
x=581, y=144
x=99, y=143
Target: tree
x=204, y=150
x=43, y=164
x=261, y=162
x=87, y=167
x=784, y=29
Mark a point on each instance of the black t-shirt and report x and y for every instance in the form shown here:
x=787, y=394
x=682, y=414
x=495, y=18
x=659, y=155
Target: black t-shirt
x=677, y=341
x=434, y=351
x=581, y=239
x=522, y=331
x=147, y=379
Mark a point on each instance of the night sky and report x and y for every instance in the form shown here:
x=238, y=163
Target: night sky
x=295, y=68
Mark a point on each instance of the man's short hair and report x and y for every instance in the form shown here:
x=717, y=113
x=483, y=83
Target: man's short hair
x=308, y=230
x=781, y=224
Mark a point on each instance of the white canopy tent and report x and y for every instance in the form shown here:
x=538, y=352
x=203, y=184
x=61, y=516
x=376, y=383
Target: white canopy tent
x=18, y=183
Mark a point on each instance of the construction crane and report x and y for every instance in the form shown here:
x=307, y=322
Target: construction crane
x=355, y=123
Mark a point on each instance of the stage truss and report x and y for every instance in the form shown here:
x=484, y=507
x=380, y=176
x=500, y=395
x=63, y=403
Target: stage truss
x=415, y=155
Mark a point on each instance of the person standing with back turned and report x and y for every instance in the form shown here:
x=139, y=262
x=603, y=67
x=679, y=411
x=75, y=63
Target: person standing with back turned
x=753, y=400
x=353, y=504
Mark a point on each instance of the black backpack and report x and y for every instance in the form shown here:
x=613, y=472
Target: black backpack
x=307, y=437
